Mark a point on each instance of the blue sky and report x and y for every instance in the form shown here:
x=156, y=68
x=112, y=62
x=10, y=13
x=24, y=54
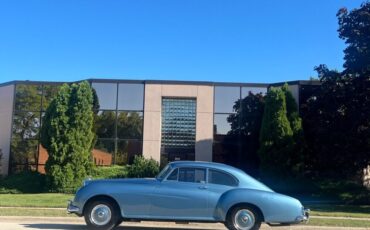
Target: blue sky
x=206, y=40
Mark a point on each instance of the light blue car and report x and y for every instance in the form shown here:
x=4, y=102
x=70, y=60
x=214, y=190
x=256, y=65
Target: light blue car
x=187, y=191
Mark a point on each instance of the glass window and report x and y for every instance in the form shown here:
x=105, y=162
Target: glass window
x=130, y=96
x=107, y=95
x=178, y=129
x=162, y=174
x=221, y=124
x=173, y=175
x=253, y=90
x=178, y=122
x=103, y=152
x=130, y=125
x=227, y=152
x=225, y=98
x=193, y=175
x=23, y=152
x=48, y=94
x=105, y=124
x=28, y=97
x=217, y=177
x=127, y=150
x=26, y=125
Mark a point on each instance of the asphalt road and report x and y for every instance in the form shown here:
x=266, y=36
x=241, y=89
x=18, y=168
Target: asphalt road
x=59, y=223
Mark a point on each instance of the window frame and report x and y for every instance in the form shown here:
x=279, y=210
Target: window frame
x=224, y=172
x=187, y=182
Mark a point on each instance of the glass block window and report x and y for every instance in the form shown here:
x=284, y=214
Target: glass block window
x=178, y=122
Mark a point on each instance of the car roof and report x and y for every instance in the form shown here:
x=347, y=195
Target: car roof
x=205, y=164
x=244, y=179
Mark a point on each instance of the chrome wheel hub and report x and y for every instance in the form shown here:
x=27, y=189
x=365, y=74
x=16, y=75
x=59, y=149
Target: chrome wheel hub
x=100, y=215
x=244, y=219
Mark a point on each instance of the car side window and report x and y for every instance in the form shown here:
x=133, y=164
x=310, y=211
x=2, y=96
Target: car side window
x=217, y=177
x=173, y=175
x=194, y=175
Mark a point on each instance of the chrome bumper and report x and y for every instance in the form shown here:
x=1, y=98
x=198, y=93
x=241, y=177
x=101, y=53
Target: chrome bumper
x=72, y=208
x=305, y=216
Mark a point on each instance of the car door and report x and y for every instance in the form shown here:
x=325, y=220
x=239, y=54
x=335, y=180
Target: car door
x=219, y=182
x=181, y=196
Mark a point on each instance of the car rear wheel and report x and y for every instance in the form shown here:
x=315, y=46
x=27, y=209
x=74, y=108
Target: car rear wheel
x=243, y=218
x=102, y=214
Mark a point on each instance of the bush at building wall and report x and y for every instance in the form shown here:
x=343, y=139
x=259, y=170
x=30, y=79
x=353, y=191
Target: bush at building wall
x=111, y=172
x=67, y=135
x=23, y=182
x=142, y=167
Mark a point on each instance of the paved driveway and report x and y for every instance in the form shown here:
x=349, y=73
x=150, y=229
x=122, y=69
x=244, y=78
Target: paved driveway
x=59, y=223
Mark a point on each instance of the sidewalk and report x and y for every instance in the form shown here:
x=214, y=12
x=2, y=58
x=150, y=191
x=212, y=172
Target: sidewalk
x=59, y=223
x=316, y=217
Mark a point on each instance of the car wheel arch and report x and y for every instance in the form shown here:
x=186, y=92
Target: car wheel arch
x=255, y=207
x=102, y=197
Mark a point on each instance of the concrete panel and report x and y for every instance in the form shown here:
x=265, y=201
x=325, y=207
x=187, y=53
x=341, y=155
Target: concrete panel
x=179, y=91
x=153, y=97
x=152, y=149
x=205, y=99
x=6, y=108
x=152, y=117
x=152, y=126
x=204, y=137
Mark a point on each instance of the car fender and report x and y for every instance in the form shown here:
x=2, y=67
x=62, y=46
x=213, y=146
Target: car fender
x=275, y=207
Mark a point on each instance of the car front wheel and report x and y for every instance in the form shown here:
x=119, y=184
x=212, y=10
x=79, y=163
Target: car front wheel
x=101, y=214
x=244, y=218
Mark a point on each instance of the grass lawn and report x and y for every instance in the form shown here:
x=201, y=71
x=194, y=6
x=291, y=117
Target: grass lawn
x=57, y=200
x=360, y=211
x=46, y=200
x=339, y=222
x=34, y=212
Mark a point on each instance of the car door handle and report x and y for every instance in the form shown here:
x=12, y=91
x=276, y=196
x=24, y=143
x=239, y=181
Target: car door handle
x=203, y=187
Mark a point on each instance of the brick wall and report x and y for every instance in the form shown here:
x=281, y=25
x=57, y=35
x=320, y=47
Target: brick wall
x=100, y=158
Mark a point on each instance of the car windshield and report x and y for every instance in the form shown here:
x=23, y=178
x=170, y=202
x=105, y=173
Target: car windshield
x=164, y=172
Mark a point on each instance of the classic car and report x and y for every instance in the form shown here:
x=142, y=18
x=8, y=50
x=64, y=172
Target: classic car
x=186, y=191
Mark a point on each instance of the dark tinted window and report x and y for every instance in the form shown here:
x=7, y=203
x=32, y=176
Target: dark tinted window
x=253, y=90
x=225, y=98
x=105, y=124
x=103, y=152
x=192, y=175
x=107, y=94
x=127, y=150
x=26, y=125
x=28, y=97
x=221, y=124
x=23, y=152
x=130, y=125
x=130, y=96
x=49, y=92
x=173, y=175
x=217, y=177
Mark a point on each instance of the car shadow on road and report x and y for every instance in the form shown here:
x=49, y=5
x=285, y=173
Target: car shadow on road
x=81, y=227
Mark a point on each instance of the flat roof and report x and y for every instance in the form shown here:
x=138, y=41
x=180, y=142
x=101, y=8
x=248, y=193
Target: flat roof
x=174, y=82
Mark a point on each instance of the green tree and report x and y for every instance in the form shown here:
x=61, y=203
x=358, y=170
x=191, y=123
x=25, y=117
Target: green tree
x=354, y=29
x=337, y=117
x=245, y=130
x=67, y=135
x=276, y=137
x=298, y=155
